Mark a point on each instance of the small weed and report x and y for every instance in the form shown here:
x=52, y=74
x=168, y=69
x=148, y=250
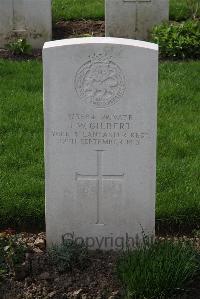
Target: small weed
x=68, y=255
x=157, y=270
x=19, y=47
x=12, y=253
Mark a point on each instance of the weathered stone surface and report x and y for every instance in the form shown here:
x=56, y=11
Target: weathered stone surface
x=100, y=99
x=30, y=19
x=134, y=18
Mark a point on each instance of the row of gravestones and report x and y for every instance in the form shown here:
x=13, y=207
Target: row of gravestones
x=31, y=19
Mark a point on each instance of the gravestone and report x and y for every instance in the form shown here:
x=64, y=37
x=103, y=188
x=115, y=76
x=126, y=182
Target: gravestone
x=100, y=98
x=29, y=19
x=134, y=18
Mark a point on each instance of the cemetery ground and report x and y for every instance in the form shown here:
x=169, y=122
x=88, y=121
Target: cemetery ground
x=32, y=272
x=22, y=204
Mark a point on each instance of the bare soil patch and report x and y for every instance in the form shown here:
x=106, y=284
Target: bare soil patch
x=38, y=278
x=70, y=29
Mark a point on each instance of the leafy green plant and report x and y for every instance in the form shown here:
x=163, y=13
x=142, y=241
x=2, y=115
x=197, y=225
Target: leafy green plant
x=19, y=47
x=157, y=270
x=67, y=255
x=12, y=252
x=178, y=40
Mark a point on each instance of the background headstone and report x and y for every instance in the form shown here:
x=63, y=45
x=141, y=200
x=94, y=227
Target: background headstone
x=30, y=19
x=100, y=98
x=134, y=18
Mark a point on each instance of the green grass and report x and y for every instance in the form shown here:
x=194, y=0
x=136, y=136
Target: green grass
x=77, y=9
x=157, y=270
x=21, y=129
x=178, y=167
x=181, y=9
x=21, y=159
x=94, y=9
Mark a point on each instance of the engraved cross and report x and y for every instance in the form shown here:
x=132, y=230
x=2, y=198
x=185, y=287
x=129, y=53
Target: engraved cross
x=136, y=10
x=99, y=177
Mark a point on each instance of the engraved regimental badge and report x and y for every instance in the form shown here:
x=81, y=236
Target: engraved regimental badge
x=100, y=82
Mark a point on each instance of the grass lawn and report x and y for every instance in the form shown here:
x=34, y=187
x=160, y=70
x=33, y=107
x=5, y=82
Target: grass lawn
x=178, y=166
x=77, y=9
x=21, y=129
x=21, y=157
x=94, y=9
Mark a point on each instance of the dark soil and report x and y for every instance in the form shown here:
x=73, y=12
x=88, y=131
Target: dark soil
x=97, y=280
x=62, y=30
x=6, y=54
x=38, y=278
x=70, y=29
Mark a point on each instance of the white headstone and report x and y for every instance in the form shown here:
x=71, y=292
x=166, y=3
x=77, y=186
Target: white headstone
x=30, y=19
x=100, y=99
x=134, y=18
